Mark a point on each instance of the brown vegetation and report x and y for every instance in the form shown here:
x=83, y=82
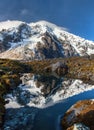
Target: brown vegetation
x=9, y=79
x=78, y=67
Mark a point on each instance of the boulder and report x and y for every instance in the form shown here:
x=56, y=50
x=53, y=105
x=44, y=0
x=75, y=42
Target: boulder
x=58, y=67
x=78, y=126
x=81, y=112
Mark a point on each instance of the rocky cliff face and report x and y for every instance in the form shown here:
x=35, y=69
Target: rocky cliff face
x=81, y=112
x=40, y=40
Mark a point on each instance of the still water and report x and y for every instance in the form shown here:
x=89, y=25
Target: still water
x=49, y=118
x=40, y=101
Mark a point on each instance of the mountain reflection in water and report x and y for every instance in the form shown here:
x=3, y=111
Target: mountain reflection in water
x=28, y=103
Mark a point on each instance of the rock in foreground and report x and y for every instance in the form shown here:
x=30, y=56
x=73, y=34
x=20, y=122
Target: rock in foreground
x=81, y=112
x=78, y=126
x=58, y=68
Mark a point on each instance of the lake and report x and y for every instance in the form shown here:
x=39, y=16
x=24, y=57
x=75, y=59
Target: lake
x=40, y=101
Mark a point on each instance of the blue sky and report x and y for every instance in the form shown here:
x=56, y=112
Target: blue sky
x=75, y=15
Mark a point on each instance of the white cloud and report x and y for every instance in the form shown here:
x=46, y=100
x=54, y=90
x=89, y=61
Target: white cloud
x=65, y=29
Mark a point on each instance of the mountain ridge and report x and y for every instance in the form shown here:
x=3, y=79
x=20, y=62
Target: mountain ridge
x=40, y=40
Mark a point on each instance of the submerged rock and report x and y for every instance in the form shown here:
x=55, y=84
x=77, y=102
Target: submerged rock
x=81, y=112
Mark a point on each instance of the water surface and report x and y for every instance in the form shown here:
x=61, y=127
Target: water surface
x=39, y=102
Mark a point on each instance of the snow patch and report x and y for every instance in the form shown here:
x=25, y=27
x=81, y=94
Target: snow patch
x=9, y=24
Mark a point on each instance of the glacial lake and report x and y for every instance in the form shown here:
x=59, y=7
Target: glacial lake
x=49, y=118
x=40, y=101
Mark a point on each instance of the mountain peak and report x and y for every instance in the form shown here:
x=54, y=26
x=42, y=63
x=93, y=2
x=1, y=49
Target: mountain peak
x=44, y=23
x=9, y=24
x=47, y=24
x=40, y=40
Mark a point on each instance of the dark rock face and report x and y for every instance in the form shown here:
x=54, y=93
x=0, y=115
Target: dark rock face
x=13, y=36
x=81, y=112
x=68, y=50
x=50, y=47
x=24, y=31
x=54, y=47
x=4, y=46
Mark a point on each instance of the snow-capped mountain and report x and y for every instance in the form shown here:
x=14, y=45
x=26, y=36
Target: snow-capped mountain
x=40, y=40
